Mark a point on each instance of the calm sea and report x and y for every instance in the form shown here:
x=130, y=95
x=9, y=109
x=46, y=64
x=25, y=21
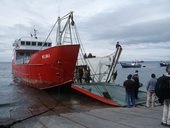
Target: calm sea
x=6, y=90
x=148, y=67
x=145, y=72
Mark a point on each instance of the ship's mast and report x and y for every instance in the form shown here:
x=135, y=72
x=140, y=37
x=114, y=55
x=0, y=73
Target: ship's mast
x=58, y=37
x=65, y=32
x=35, y=33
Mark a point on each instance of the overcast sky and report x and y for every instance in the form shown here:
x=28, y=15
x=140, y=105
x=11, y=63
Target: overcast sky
x=142, y=26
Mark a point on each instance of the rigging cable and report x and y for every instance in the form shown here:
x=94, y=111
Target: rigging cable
x=76, y=34
x=83, y=51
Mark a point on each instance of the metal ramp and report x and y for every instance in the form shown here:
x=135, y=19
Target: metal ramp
x=116, y=93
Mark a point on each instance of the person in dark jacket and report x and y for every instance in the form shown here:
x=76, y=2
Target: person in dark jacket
x=129, y=85
x=118, y=45
x=137, y=83
x=80, y=72
x=162, y=91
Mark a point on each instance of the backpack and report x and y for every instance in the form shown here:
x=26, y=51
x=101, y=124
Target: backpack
x=162, y=88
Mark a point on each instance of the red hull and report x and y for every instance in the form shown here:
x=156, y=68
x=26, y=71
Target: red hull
x=48, y=68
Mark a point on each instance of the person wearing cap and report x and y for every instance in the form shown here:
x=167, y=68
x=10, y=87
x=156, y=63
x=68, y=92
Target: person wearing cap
x=137, y=83
x=162, y=91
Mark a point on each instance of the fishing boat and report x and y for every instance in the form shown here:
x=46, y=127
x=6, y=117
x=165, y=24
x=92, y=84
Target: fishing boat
x=162, y=63
x=41, y=65
x=131, y=65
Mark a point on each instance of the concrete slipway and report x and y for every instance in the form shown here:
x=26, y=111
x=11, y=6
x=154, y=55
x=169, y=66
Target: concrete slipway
x=109, y=117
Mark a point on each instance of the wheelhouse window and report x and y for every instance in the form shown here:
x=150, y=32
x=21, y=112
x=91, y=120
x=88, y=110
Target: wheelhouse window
x=39, y=43
x=49, y=44
x=33, y=43
x=45, y=44
x=20, y=54
x=22, y=42
x=23, y=57
x=28, y=43
x=19, y=57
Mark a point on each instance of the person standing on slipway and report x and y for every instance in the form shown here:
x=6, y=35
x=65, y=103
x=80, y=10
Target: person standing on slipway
x=129, y=85
x=150, y=101
x=137, y=83
x=162, y=91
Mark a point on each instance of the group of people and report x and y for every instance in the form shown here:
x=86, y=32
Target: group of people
x=82, y=75
x=160, y=88
x=131, y=85
x=156, y=87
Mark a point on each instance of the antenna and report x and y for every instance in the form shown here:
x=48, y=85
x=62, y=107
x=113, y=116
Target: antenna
x=35, y=33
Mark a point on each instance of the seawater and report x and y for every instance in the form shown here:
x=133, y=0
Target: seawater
x=6, y=90
x=5, y=72
x=144, y=72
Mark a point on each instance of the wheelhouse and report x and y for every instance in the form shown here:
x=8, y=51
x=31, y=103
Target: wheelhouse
x=24, y=49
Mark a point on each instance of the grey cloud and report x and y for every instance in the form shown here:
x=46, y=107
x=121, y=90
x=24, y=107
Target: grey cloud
x=132, y=24
x=140, y=22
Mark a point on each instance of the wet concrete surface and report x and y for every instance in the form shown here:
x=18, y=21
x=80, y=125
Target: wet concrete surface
x=20, y=102
x=113, y=117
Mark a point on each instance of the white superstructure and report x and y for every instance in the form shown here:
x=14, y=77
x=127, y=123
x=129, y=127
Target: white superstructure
x=31, y=44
